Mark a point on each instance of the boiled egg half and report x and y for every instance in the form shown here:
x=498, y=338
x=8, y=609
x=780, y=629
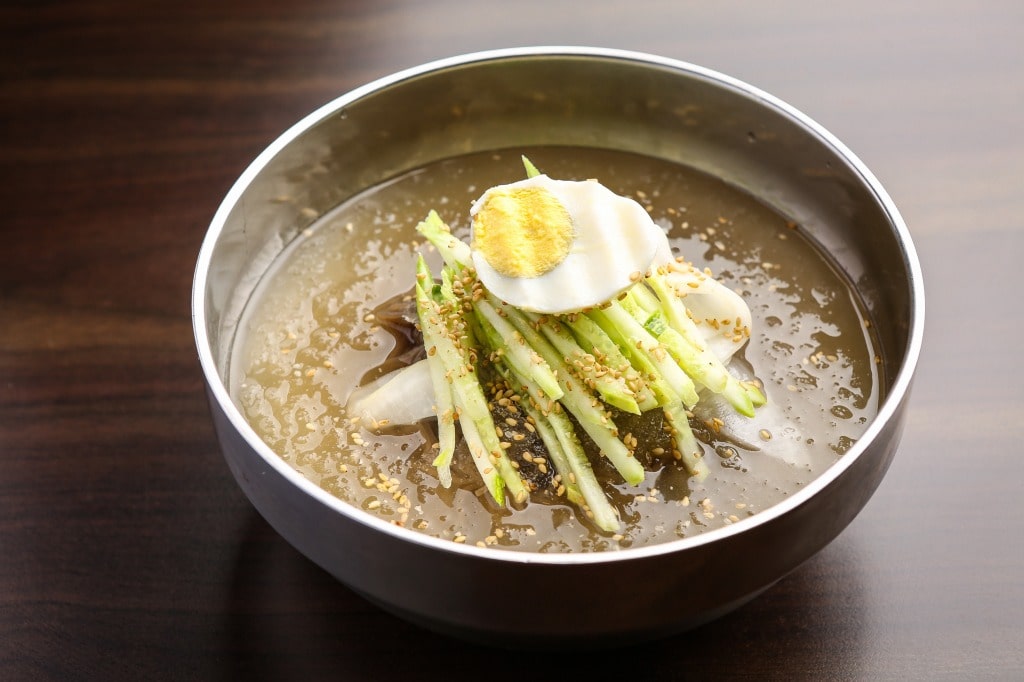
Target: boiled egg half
x=558, y=246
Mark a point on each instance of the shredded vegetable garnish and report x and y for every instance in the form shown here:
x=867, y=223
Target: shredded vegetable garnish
x=641, y=350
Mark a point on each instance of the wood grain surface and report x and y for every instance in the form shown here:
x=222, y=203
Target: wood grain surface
x=128, y=552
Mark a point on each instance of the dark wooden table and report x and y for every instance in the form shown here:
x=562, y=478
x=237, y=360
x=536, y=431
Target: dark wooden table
x=128, y=552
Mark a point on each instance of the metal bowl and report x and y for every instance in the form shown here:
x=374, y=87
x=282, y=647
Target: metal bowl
x=567, y=96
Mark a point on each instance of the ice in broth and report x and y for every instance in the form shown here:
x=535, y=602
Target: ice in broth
x=322, y=322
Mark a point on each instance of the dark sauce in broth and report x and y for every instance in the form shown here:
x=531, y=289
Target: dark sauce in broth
x=309, y=337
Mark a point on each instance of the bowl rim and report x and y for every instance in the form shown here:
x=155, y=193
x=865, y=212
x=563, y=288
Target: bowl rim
x=219, y=392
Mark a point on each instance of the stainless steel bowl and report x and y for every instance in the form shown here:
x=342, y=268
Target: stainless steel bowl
x=566, y=96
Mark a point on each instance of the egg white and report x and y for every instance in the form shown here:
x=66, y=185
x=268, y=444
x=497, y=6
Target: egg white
x=614, y=241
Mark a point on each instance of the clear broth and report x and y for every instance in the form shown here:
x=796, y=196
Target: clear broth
x=308, y=338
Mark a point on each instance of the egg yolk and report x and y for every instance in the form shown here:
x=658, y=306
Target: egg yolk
x=522, y=232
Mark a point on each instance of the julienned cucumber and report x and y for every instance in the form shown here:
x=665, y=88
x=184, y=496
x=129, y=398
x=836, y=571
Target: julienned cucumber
x=635, y=354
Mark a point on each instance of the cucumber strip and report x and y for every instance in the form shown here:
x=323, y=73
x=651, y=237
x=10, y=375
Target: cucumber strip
x=557, y=455
x=566, y=452
x=531, y=170
x=597, y=508
x=455, y=252
x=587, y=408
x=608, y=383
x=700, y=365
x=593, y=339
x=445, y=406
x=688, y=448
x=468, y=397
x=481, y=457
x=705, y=365
x=511, y=344
x=616, y=321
